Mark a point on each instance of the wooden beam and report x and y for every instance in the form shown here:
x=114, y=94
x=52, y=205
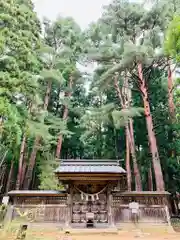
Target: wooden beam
x=91, y=177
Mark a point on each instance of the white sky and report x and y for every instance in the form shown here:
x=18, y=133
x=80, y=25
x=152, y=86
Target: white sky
x=83, y=11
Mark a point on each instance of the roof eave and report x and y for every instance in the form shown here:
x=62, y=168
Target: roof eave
x=89, y=176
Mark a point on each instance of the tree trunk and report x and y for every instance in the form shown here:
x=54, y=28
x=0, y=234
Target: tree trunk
x=130, y=135
x=33, y=180
x=150, y=179
x=32, y=159
x=2, y=177
x=151, y=133
x=23, y=173
x=137, y=176
x=135, y=165
x=8, y=185
x=60, y=138
x=65, y=115
x=128, y=166
x=23, y=144
x=170, y=93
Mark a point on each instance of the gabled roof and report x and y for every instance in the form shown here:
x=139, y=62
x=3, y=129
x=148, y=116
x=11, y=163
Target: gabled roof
x=89, y=166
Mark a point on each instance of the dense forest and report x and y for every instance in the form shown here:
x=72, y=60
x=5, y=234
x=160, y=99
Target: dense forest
x=110, y=91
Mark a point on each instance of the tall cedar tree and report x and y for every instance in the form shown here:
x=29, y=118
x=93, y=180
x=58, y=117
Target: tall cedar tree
x=19, y=46
x=59, y=68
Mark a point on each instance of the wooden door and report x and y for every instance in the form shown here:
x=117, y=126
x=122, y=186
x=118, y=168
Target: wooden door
x=82, y=205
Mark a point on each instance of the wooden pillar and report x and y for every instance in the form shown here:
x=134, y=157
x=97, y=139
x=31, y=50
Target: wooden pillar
x=168, y=215
x=175, y=206
x=109, y=206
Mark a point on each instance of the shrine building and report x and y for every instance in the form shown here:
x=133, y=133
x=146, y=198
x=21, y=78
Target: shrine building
x=95, y=195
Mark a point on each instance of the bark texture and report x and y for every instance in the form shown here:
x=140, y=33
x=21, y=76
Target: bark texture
x=10, y=176
x=65, y=116
x=2, y=177
x=172, y=112
x=20, y=167
x=128, y=166
x=150, y=179
x=137, y=176
x=130, y=136
x=23, y=172
x=151, y=133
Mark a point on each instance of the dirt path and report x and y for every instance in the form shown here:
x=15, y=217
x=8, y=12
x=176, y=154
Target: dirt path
x=105, y=236
x=47, y=234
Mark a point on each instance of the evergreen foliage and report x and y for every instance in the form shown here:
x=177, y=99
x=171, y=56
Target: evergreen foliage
x=47, y=100
x=47, y=177
x=172, y=43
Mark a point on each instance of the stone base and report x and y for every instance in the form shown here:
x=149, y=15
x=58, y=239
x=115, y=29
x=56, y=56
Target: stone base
x=43, y=227
x=146, y=227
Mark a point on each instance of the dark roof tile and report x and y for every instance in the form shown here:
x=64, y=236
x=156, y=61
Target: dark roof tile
x=89, y=166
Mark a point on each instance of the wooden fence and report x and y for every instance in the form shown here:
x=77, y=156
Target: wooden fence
x=41, y=213
x=149, y=214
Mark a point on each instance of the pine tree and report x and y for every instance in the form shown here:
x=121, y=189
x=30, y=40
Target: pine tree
x=111, y=49
x=137, y=26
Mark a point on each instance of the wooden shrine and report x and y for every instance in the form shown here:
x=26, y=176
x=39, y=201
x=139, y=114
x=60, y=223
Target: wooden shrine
x=89, y=185
x=95, y=195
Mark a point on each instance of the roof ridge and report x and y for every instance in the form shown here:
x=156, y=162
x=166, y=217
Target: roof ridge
x=91, y=160
x=92, y=166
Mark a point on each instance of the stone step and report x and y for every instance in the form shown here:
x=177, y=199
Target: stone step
x=91, y=231
x=123, y=227
x=73, y=231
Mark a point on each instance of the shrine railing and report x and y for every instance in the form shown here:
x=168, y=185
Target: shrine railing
x=41, y=213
